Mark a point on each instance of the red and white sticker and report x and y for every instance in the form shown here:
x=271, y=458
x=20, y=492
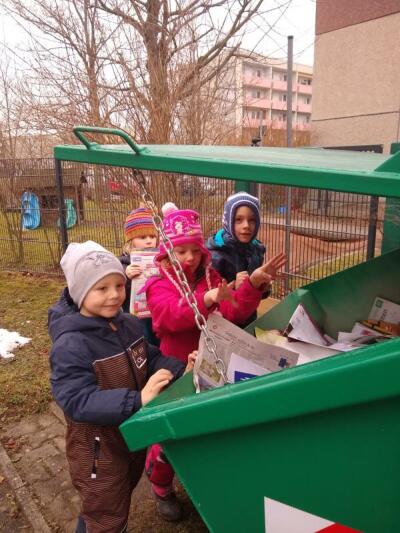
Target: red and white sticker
x=281, y=518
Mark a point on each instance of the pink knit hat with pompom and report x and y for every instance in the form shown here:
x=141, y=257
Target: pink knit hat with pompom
x=182, y=226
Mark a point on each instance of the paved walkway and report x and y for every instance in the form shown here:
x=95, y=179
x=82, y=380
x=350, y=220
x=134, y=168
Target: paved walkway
x=12, y=518
x=33, y=453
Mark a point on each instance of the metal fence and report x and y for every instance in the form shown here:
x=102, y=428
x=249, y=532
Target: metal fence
x=322, y=231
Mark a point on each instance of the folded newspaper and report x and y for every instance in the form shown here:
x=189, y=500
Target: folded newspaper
x=243, y=355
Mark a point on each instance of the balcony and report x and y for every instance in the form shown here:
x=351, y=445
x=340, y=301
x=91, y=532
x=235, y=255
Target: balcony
x=279, y=104
x=255, y=81
x=302, y=126
x=304, y=89
x=304, y=108
x=256, y=122
x=279, y=85
x=276, y=124
x=251, y=101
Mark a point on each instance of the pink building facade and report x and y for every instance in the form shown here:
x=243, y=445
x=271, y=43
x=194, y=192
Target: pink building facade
x=263, y=94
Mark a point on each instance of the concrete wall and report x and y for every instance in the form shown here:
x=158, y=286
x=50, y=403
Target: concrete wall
x=356, y=93
x=334, y=14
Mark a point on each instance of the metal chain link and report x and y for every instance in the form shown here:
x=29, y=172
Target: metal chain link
x=200, y=320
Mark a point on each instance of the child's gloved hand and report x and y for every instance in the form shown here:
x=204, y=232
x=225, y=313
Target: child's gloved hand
x=191, y=361
x=240, y=277
x=132, y=271
x=266, y=273
x=155, y=385
x=222, y=292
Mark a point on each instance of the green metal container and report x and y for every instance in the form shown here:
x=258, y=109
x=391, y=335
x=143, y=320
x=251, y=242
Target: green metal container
x=323, y=437
x=302, y=449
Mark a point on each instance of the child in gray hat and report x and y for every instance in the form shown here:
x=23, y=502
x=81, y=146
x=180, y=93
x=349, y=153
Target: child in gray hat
x=102, y=372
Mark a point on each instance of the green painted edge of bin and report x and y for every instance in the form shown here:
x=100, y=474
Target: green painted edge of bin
x=319, y=386
x=372, y=174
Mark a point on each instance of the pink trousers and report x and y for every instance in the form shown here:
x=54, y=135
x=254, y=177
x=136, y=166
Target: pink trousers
x=159, y=471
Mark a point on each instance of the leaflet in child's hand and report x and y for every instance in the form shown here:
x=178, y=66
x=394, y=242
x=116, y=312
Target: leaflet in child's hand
x=144, y=259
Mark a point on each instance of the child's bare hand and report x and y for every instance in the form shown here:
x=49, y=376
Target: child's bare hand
x=155, y=385
x=222, y=292
x=240, y=277
x=191, y=361
x=132, y=271
x=268, y=271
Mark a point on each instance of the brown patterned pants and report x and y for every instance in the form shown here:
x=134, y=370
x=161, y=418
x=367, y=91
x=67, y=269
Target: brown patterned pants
x=104, y=473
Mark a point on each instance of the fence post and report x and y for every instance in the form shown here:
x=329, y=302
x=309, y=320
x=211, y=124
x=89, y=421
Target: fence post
x=372, y=226
x=391, y=221
x=61, y=205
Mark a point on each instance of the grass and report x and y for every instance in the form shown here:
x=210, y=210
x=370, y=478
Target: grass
x=24, y=380
x=40, y=250
x=327, y=267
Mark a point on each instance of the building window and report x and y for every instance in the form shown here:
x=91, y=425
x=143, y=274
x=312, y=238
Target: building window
x=284, y=117
x=308, y=119
x=282, y=97
x=308, y=100
x=258, y=114
x=285, y=77
x=258, y=73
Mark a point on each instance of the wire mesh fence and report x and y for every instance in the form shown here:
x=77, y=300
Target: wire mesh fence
x=321, y=231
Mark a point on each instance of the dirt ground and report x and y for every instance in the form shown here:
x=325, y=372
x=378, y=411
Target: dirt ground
x=312, y=257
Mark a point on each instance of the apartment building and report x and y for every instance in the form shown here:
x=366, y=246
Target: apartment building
x=356, y=73
x=261, y=88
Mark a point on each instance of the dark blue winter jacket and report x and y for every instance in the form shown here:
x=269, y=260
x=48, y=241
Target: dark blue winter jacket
x=229, y=256
x=79, y=343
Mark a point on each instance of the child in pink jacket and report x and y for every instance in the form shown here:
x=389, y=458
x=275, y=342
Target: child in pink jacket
x=173, y=319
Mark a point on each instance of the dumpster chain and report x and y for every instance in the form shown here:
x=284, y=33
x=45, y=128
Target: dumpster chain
x=200, y=320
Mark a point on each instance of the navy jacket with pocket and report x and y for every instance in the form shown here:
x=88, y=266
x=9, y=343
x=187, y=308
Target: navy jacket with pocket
x=79, y=342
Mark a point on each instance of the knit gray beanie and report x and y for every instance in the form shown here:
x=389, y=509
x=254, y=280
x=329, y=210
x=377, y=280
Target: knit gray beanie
x=84, y=264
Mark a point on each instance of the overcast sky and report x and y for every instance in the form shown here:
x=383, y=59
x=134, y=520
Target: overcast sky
x=296, y=18
x=299, y=21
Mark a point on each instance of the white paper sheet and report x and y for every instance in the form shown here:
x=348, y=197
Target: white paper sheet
x=231, y=339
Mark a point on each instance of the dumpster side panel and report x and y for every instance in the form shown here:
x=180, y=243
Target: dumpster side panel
x=341, y=465
x=336, y=302
x=323, y=437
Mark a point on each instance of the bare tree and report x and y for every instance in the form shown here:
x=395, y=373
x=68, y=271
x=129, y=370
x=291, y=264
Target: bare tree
x=172, y=55
x=11, y=110
x=159, y=68
x=67, y=63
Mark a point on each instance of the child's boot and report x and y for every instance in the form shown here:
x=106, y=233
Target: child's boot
x=161, y=475
x=169, y=507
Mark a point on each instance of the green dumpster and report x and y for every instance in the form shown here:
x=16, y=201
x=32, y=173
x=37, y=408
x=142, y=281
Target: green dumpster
x=311, y=448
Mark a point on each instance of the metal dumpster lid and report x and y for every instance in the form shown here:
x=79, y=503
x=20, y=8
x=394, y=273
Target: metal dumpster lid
x=338, y=170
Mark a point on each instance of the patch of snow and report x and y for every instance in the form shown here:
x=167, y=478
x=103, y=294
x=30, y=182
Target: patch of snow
x=9, y=340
